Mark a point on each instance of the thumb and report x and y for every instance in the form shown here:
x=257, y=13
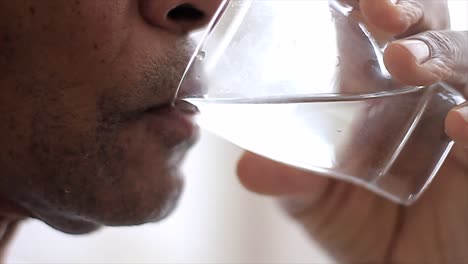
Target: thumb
x=429, y=57
x=456, y=125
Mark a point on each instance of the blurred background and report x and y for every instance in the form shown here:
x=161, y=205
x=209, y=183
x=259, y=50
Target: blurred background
x=217, y=221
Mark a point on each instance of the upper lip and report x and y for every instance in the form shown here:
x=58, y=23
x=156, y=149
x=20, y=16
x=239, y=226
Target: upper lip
x=180, y=105
x=186, y=107
x=189, y=88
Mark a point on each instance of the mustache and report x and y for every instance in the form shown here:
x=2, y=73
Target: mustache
x=153, y=85
x=163, y=75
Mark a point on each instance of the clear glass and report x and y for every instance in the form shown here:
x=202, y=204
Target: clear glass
x=303, y=83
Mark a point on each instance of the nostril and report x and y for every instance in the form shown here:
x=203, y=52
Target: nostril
x=178, y=16
x=186, y=13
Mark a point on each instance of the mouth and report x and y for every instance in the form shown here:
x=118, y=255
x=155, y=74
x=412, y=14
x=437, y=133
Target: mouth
x=181, y=106
x=175, y=122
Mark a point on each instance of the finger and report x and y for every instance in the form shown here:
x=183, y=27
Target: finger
x=406, y=17
x=456, y=125
x=429, y=57
x=334, y=213
x=264, y=176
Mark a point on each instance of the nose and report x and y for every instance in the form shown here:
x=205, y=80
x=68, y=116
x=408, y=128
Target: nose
x=179, y=16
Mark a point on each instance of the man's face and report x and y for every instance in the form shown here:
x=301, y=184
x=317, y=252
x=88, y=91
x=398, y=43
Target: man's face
x=88, y=137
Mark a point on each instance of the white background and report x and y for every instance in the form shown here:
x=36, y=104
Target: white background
x=216, y=222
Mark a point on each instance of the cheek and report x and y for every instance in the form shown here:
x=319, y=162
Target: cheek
x=66, y=38
x=50, y=160
x=15, y=139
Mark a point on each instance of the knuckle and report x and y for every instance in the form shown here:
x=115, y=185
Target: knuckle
x=445, y=45
x=414, y=9
x=442, y=69
x=426, y=15
x=445, y=49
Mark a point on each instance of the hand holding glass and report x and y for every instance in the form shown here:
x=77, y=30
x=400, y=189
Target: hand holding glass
x=304, y=83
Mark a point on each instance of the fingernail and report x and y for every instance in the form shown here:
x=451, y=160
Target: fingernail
x=463, y=111
x=419, y=49
x=394, y=1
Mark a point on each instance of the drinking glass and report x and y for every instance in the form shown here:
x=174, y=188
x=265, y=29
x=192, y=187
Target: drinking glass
x=304, y=83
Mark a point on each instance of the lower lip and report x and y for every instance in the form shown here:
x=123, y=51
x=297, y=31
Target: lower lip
x=177, y=122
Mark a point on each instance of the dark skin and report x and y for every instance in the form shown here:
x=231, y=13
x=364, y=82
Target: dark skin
x=80, y=148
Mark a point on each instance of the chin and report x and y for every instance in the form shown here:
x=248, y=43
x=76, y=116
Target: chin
x=128, y=202
x=73, y=227
x=135, y=179
x=140, y=202
x=142, y=182
x=148, y=206
x=83, y=225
